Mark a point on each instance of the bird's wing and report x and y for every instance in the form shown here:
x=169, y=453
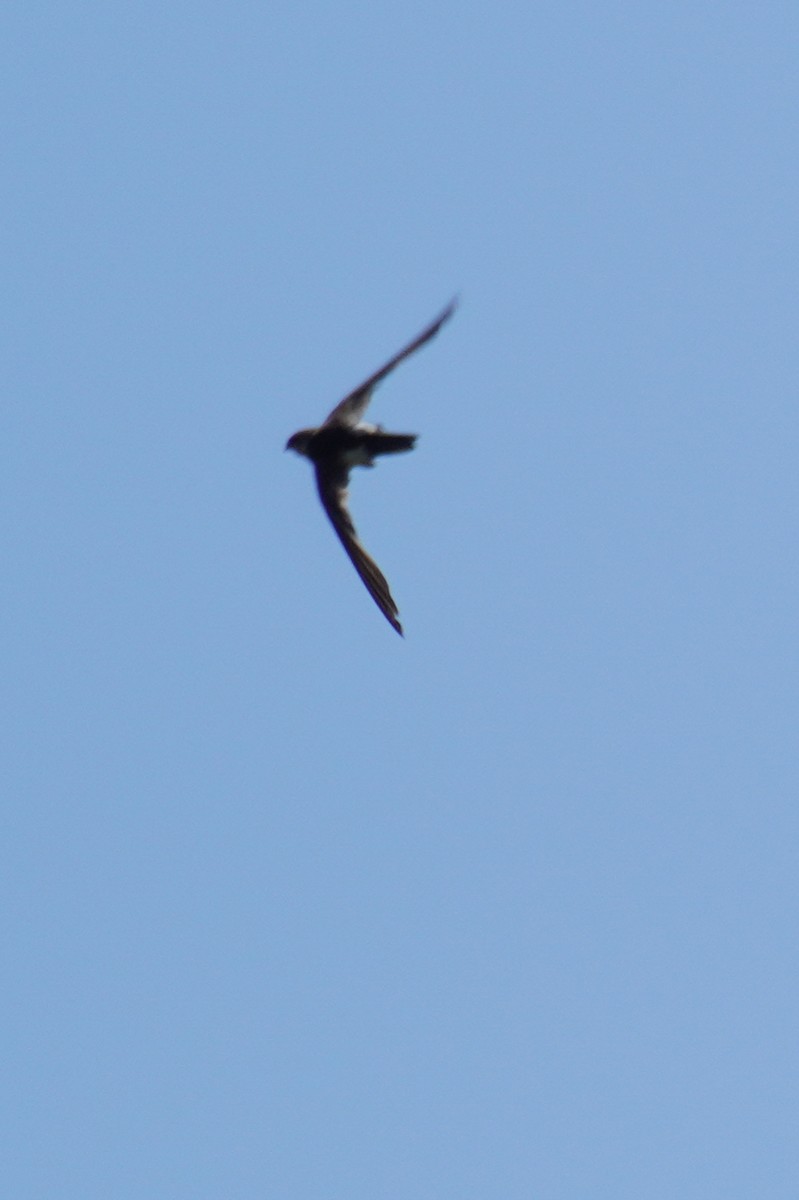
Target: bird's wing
x=350, y=410
x=332, y=485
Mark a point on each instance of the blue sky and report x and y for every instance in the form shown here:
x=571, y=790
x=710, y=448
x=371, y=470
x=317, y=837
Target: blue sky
x=292, y=907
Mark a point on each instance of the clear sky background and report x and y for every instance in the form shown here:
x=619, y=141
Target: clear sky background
x=292, y=907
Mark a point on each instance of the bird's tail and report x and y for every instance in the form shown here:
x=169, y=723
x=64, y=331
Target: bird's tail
x=391, y=443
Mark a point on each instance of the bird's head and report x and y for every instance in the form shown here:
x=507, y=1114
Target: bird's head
x=298, y=442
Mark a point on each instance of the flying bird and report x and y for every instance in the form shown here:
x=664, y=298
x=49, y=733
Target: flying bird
x=344, y=441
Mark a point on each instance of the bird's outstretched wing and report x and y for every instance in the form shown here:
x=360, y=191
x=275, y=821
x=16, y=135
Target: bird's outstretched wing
x=332, y=486
x=350, y=410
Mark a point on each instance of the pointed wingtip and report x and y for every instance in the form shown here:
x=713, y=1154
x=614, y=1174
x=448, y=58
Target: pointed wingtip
x=450, y=308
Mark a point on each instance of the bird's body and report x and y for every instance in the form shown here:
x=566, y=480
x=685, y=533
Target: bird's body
x=342, y=442
x=355, y=446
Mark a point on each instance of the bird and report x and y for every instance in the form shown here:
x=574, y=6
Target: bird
x=344, y=441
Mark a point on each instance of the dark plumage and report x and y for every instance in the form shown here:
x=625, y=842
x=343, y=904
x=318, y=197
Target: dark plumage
x=342, y=442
